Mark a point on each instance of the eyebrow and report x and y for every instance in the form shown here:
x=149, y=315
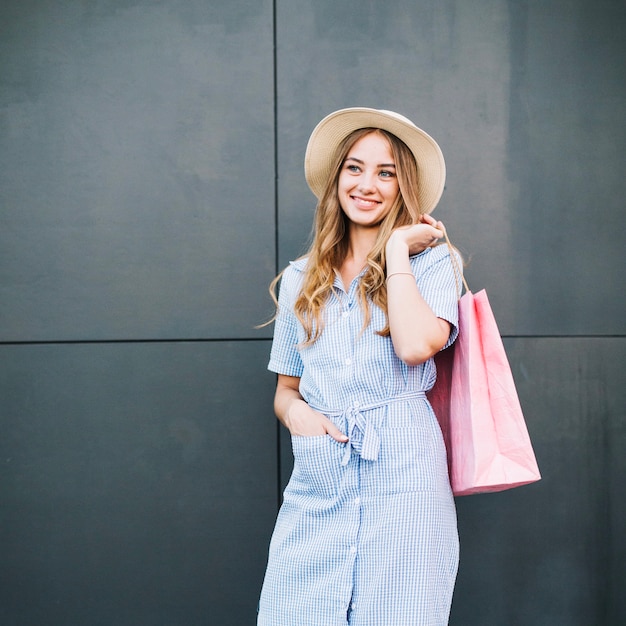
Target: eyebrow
x=363, y=162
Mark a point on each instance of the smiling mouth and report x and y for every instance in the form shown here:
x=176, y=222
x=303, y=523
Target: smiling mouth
x=365, y=203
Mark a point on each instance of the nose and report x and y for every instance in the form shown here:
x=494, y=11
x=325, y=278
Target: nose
x=367, y=182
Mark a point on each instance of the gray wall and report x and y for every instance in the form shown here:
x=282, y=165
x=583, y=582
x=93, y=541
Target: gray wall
x=151, y=185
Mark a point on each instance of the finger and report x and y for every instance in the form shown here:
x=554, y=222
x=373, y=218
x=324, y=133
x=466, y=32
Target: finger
x=435, y=237
x=440, y=230
x=437, y=233
x=335, y=433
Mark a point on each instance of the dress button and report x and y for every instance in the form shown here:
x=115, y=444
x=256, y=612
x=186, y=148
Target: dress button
x=353, y=549
x=357, y=501
x=346, y=313
x=348, y=361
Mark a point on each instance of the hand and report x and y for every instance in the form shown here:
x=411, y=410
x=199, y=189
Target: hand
x=303, y=421
x=418, y=237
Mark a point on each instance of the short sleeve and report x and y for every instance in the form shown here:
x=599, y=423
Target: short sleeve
x=284, y=355
x=439, y=282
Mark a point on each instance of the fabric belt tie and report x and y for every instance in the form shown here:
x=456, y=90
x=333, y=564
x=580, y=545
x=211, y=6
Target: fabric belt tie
x=363, y=437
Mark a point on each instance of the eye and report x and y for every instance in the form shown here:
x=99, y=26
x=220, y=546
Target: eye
x=387, y=174
x=353, y=168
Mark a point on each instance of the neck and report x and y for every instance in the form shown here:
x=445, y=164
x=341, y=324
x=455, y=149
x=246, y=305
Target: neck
x=361, y=242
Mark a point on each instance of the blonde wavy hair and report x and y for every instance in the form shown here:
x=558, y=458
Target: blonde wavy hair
x=329, y=246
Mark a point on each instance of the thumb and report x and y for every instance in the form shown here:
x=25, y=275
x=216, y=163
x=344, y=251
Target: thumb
x=335, y=433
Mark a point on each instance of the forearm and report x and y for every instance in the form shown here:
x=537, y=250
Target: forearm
x=416, y=332
x=285, y=395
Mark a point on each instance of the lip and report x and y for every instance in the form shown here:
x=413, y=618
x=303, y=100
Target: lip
x=365, y=203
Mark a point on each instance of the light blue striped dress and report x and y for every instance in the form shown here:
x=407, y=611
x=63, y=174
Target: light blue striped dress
x=367, y=532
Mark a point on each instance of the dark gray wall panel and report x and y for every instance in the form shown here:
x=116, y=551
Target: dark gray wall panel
x=136, y=169
x=552, y=553
x=565, y=165
x=138, y=483
x=527, y=100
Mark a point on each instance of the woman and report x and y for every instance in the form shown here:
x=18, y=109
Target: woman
x=367, y=531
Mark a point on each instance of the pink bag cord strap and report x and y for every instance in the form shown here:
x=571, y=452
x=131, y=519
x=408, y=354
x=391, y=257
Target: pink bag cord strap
x=455, y=265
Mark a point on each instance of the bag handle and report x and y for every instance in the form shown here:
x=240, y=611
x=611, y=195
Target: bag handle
x=455, y=265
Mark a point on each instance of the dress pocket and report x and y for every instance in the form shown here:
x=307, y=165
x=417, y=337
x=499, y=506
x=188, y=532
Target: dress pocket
x=317, y=468
x=411, y=459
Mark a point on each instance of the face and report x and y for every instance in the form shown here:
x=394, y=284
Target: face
x=368, y=184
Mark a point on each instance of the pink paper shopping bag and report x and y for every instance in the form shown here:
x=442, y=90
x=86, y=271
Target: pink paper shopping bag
x=476, y=403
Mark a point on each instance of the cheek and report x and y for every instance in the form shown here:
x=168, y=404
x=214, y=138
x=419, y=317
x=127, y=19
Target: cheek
x=344, y=188
x=391, y=194
x=343, y=183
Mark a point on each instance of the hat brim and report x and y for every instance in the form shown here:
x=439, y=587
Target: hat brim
x=334, y=128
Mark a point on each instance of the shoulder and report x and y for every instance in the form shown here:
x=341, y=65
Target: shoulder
x=293, y=275
x=295, y=270
x=430, y=256
x=299, y=265
x=437, y=261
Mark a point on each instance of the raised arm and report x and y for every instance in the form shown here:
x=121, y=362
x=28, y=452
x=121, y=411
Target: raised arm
x=416, y=332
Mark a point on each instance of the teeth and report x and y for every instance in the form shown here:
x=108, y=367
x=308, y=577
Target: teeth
x=365, y=202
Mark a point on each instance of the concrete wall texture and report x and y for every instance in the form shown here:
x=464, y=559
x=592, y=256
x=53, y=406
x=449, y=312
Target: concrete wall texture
x=151, y=185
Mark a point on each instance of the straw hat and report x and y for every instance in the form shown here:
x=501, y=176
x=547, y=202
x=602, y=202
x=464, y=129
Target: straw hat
x=331, y=131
